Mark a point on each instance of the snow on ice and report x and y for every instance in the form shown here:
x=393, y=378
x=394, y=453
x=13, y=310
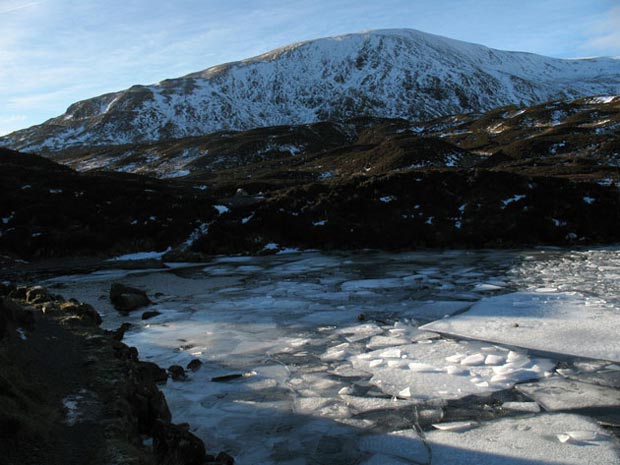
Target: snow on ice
x=141, y=256
x=339, y=370
x=548, y=322
x=533, y=440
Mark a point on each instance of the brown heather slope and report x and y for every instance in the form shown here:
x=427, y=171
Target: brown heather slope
x=579, y=138
x=547, y=174
x=47, y=209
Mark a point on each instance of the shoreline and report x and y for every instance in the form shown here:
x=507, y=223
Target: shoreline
x=73, y=393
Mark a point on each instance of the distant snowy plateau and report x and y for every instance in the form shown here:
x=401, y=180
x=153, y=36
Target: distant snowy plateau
x=385, y=73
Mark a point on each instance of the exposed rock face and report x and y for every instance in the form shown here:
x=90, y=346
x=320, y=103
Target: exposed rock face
x=65, y=351
x=127, y=299
x=389, y=73
x=194, y=365
x=174, y=444
x=83, y=311
x=177, y=373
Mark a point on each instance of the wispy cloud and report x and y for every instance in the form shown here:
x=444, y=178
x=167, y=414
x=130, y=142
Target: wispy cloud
x=12, y=119
x=10, y=123
x=604, y=34
x=6, y=9
x=29, y=102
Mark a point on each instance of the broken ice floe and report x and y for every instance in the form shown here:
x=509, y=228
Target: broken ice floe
x=340, y=361
x=523, y=407
x=455, y=425
x=562, y=323
x=593, y=372
x=448, y=369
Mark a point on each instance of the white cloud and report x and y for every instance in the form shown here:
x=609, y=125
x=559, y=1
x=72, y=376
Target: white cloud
x=10, y=123
x=12, y=119
x=16, y=6
x=604, y=36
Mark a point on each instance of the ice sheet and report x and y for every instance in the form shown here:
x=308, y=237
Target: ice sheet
x=562, y=323
x=400, y=445
x=558, y=393
x=339, y=365
x=525, y=441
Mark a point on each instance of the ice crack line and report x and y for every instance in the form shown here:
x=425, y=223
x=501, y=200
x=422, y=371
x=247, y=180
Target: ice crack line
x=422, y=436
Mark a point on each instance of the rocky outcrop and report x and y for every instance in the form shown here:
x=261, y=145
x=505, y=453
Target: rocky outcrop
x=82, y=311
x=62, y=348
x=174, y=444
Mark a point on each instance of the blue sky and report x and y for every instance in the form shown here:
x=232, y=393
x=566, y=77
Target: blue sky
x=56, y=52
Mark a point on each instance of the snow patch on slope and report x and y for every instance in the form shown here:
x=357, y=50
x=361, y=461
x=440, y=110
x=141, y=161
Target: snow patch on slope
x=388, y=73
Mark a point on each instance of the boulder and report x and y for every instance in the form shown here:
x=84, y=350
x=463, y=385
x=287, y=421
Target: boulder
x=175, y=445
x=150, y=372
x=177, y=373
x=224, y=459
x=85, y=311
x=38, y=294
x=194, y=365
x=126, y=299
x=123, y=351
x=119, y=334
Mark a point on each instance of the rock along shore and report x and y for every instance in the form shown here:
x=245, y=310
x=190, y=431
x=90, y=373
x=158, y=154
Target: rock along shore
x=73, y=393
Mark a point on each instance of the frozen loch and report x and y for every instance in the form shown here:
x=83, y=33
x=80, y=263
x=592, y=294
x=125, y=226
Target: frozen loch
x=457, y=357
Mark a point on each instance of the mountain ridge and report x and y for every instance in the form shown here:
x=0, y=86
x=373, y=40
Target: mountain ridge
x=384, y=73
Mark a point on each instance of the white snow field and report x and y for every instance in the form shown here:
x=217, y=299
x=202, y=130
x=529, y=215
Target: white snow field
x=334, y=365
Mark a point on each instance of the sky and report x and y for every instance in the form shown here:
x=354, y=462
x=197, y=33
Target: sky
x=56, y=52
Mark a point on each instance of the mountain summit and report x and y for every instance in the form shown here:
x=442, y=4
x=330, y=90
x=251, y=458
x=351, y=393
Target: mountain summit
x=386, y=73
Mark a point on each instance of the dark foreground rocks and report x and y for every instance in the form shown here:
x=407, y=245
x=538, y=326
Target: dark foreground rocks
x=71, y=393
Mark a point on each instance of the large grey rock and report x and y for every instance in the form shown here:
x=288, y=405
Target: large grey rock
x=126, y=299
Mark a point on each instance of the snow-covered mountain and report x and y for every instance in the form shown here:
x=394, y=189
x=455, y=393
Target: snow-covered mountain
x=386, y=73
